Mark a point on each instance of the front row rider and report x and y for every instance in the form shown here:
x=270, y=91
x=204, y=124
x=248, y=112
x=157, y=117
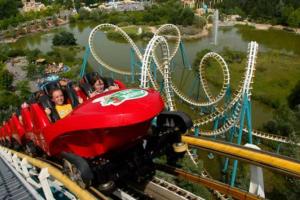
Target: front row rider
x=57, y=97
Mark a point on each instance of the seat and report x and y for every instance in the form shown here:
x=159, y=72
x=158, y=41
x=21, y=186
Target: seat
x=47, y=87
x=46, y=103
x=86, y=86
x=87, y=78
x=72, y=96
x=32, y=98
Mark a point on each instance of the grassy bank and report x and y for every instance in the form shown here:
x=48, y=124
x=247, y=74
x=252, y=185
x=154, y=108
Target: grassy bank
x=275, y=76
x=134, y=32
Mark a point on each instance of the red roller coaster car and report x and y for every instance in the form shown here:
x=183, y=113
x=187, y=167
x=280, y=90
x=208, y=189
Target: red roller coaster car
x=104, y=138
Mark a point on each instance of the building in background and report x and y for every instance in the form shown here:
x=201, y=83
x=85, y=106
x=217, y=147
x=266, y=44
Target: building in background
x=31, y=5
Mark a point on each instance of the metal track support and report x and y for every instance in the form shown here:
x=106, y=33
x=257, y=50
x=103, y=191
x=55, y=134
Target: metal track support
x=246, y=112
x=84, y=61
x=185, y=60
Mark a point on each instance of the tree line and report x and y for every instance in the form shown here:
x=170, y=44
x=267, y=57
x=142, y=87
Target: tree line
x=166, y=12
x=284, y=12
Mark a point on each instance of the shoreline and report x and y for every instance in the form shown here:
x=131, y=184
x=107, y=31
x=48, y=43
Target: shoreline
x=202, y=33
x=258, y=26
x=40, y=30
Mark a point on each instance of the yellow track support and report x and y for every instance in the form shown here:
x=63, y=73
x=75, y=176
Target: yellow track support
x=58, y=175
x=263, y=158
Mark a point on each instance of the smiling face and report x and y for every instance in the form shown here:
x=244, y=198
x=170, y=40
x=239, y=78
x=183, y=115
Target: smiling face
x=99, y=86
x=58, y=97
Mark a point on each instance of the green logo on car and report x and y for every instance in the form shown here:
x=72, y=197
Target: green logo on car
x=119, y=97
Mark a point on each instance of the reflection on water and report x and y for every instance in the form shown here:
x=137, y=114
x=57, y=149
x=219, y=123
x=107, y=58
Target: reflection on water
x=273, y=39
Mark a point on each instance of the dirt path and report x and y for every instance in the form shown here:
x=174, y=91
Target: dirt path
x=16, y=67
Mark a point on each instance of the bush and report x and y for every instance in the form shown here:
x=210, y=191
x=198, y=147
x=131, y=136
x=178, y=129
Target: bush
x=146, y=35
x=31, y=71
x=274, y=103
x=270, y=127
x=294, y=97
x=83, y=14
x=233, y=56
x=15, y=52
x=64, y=38
x=112, y=35
x=6, y=79
x=199, y=22
x=33, y=55
x=199, y=57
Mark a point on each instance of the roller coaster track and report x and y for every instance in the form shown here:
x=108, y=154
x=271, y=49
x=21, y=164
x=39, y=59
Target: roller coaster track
x=27, y=166
x=210, y=183
x=262, y=158
x=146, y=73
x=163, y=68
x=272, y=137
x=123, y=34
x=234, y=105
x=156, y=188
x=218, y=194
x=237, y=100
x=244, y=89
x=177, y=37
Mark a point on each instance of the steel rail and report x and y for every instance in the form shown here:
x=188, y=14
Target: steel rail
x=270, y=160
x=57, y=174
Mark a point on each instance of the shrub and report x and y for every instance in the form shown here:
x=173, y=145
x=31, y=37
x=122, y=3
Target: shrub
x=64, y=38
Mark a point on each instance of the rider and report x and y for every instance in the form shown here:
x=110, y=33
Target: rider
x=99, y=86
x=57, y=97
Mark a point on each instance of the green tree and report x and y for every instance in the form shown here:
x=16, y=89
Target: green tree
x=77, y=4
x=6, y=79
x=233, y=56
x=294, y=18
x=285, y=123
x=89, y=2
x=83, y=13
x=266, y=11
x=64, y=38
x=68, y=4
x=199, y=57
x=186, y=17
x=294, y=97
x=31, y=71
x=4, y=48
x=32, y=55
x=8, y=8
x=44, y=24
x=8, y=99
x=46, y=2
x=55, y=20
x=11, y=32
x=23, y=88
x=199, y=22
x=285, y=119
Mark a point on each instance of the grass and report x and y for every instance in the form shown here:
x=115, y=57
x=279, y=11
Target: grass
x=275, y=76
x=132, y=32
x=134, y=29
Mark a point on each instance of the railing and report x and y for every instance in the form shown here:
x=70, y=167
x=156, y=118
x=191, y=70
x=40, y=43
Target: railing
x=44, y=178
